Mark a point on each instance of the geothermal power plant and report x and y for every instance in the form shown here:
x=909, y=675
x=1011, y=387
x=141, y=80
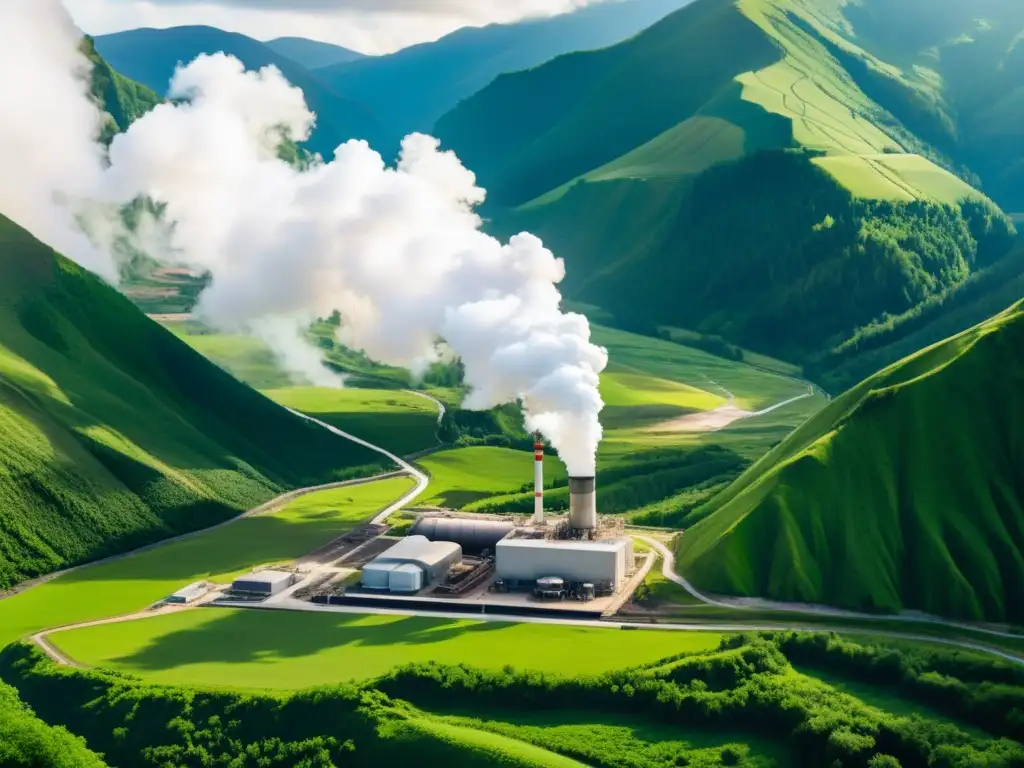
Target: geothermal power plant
x=450, y=560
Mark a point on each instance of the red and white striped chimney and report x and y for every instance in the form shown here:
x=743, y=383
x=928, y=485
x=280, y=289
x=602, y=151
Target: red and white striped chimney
x=538, y=482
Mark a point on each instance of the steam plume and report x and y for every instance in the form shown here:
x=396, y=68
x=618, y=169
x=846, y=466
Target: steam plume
x=398, y=251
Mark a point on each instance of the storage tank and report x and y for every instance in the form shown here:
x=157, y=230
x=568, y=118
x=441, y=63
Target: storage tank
x=582, y=503
x=474, y=536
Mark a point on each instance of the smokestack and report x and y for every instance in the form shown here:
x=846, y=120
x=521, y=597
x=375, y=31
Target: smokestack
x=582, y=503
x=538, y=482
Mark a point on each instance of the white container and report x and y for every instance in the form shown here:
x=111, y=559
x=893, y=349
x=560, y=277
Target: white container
x=406, y=578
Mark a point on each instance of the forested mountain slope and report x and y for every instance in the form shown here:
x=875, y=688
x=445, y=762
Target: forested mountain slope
x=113, y=433
x=124, y=100
x=739, y=165
x=150, y=56
x=904, y=493
x=409, y=90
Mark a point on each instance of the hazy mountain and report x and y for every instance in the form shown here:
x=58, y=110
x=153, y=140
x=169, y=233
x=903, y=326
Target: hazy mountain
x=410, y=89
x=150, y=56
x=312, y=53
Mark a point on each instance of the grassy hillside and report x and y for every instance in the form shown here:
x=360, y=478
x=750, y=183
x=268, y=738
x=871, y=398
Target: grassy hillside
x=116, y=434
x=742, y=166
x=409, y=90
x=150, y=56
x=903, y=493
x=124, y=100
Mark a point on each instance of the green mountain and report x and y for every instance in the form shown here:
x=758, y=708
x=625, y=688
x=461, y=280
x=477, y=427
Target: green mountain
x=114, y=434
x=312, y=54
x=124, y=100
x=412, y=88
x=150, y=56
x=904, y=493
x=777, y=172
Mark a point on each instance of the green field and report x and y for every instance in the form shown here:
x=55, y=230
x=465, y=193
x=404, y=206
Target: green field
x=131, y=584
x=464, y=475
x=246, y=358
x=399, y=421
x=279, y=649
x=899, y=494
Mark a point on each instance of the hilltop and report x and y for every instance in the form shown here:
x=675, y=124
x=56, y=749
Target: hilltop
x=312, y=54
x=904, y=493
x=410, y=89
x=759, y=170
x=114, y=434
x=151, y=56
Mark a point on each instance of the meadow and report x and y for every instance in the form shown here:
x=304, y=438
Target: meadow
x=132, y=583
x=402, y=422
x=290, y=650
x=465, y=475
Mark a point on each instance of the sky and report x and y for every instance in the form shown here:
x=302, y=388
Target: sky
x=370, y=26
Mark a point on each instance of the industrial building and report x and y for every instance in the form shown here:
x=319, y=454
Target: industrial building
x=410, y=565
x=595, y=562
x=266, y=583
x=473, y=535
x=189, y=594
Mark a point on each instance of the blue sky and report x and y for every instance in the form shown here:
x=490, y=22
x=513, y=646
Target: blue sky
x=371, y=26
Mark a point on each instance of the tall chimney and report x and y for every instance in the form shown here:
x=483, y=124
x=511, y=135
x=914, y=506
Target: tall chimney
x=538, y=482
x=582, y=503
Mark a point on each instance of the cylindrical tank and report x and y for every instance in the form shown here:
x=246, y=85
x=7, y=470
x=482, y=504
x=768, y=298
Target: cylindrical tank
x=582, y=503
x=473, y=536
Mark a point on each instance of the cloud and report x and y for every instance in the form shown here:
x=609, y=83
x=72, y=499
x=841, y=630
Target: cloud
x=489, y=9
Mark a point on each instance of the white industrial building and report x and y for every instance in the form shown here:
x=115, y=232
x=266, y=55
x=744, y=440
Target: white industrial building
x=267, y=583
x=580, y=561
x=412, y=564
x=189, y=594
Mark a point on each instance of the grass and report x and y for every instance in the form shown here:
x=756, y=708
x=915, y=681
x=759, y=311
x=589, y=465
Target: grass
x=246, y=358
x=464, y=475
x=621, y=741
x=846, y=512
x=114, y=434
x=131, y=584
x=399, y=421
x=288, y=650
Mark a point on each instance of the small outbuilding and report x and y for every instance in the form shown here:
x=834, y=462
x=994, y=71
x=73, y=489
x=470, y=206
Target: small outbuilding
x=188, y=594
x=267, y=583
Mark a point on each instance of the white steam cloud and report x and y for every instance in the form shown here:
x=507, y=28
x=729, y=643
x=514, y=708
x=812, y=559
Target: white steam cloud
x=398, y=251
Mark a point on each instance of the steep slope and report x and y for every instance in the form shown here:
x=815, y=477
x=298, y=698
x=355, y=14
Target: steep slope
x=124, y=100
x=113, y=433
x=412, y=88
x=150, y=56
x=312, y=54
x=906, y=492
x=740, y=167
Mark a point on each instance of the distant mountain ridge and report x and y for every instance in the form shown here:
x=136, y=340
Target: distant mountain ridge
x=312, y=54
x=150, y=56
x=409, y=90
